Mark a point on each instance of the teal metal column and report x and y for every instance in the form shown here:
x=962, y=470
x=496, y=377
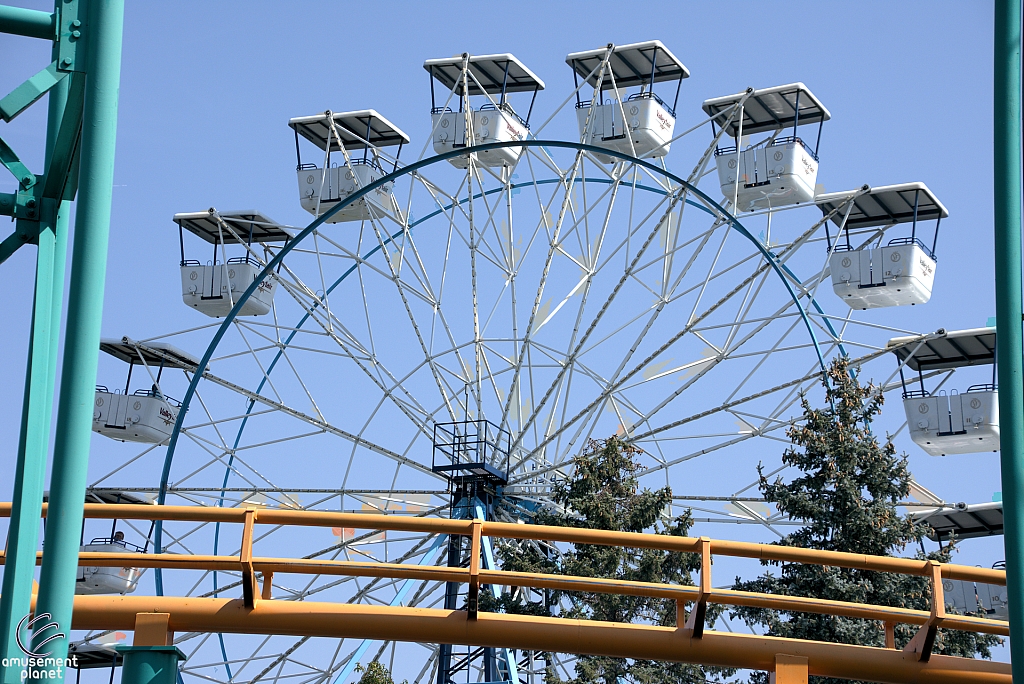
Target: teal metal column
x=85, y=306
x=37, y=409
x=1007, y=180
x=150, y=664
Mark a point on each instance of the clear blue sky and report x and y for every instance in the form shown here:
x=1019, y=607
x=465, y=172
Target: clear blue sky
x=207, y=89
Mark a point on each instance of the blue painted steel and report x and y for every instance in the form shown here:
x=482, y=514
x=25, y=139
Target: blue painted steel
x=514, y=187
x=485, y=542
x=770, y=258
x=430, y=555
x=85, y=306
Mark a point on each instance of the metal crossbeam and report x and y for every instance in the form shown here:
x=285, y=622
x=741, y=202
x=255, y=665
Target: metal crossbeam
x=9, y=158
x=25, y=95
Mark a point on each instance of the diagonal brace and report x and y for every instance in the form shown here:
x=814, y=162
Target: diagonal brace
x=61, y=178
x=33, y=217
x=25, y=95
x=10, y=159
x=26, y=232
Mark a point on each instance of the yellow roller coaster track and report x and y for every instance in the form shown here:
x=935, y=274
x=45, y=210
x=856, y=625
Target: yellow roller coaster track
x=156, y=618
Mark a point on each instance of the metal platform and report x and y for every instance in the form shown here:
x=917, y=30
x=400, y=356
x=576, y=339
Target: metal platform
x=475, y=450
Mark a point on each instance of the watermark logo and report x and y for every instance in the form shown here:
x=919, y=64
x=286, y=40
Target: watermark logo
x=27, y=650
x=38, y=663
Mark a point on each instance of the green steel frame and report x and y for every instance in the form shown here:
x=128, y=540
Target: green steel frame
x=86, y=36
x=1007, y=206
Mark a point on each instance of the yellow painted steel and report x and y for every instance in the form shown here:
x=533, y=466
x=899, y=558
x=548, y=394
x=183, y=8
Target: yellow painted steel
x=789, y=554
x=426, y=625
x=257, y=613
x=682, y=593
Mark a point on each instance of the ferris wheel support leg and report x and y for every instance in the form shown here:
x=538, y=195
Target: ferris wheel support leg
x=1007, y=183
x=85, y=306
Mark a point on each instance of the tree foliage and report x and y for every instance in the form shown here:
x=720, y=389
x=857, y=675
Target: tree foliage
x=604, y=493
x=846, y=496
x=375, y=673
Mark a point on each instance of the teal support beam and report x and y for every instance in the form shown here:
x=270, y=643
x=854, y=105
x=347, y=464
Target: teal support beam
x=150, y=664
x=27, y=232
x=26, y=95
x=82, y=337
x=25, y=22
x=34, y=442
x=1007, y=206
x=40, y=379
x=10, y=160
x=61, y=176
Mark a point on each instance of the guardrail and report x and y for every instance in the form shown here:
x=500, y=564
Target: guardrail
x=691, y=624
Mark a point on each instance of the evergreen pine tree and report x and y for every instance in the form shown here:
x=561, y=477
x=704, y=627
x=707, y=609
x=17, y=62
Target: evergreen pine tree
x=376, y=673
x=846, y=497
x=604, y=493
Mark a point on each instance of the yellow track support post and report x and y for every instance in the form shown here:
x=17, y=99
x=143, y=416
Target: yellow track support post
x=151, y=659
x=789, y=670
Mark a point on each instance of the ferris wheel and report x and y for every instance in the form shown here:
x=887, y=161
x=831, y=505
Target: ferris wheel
x=450, y=332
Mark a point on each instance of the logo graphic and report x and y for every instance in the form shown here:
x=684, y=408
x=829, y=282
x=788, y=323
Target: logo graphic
x=975, y=403
x=922, y=408
x=31, y=626
x=895, y=257
x=778, y=156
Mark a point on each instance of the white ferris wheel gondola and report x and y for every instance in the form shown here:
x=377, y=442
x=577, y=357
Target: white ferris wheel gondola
x=212, y=288
x=639, y=124
x=320, y=188
x=896, y=274
x=145, y=416
x=100, y=580
x=959, y=422
x=778, y=170
x=494, y=121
